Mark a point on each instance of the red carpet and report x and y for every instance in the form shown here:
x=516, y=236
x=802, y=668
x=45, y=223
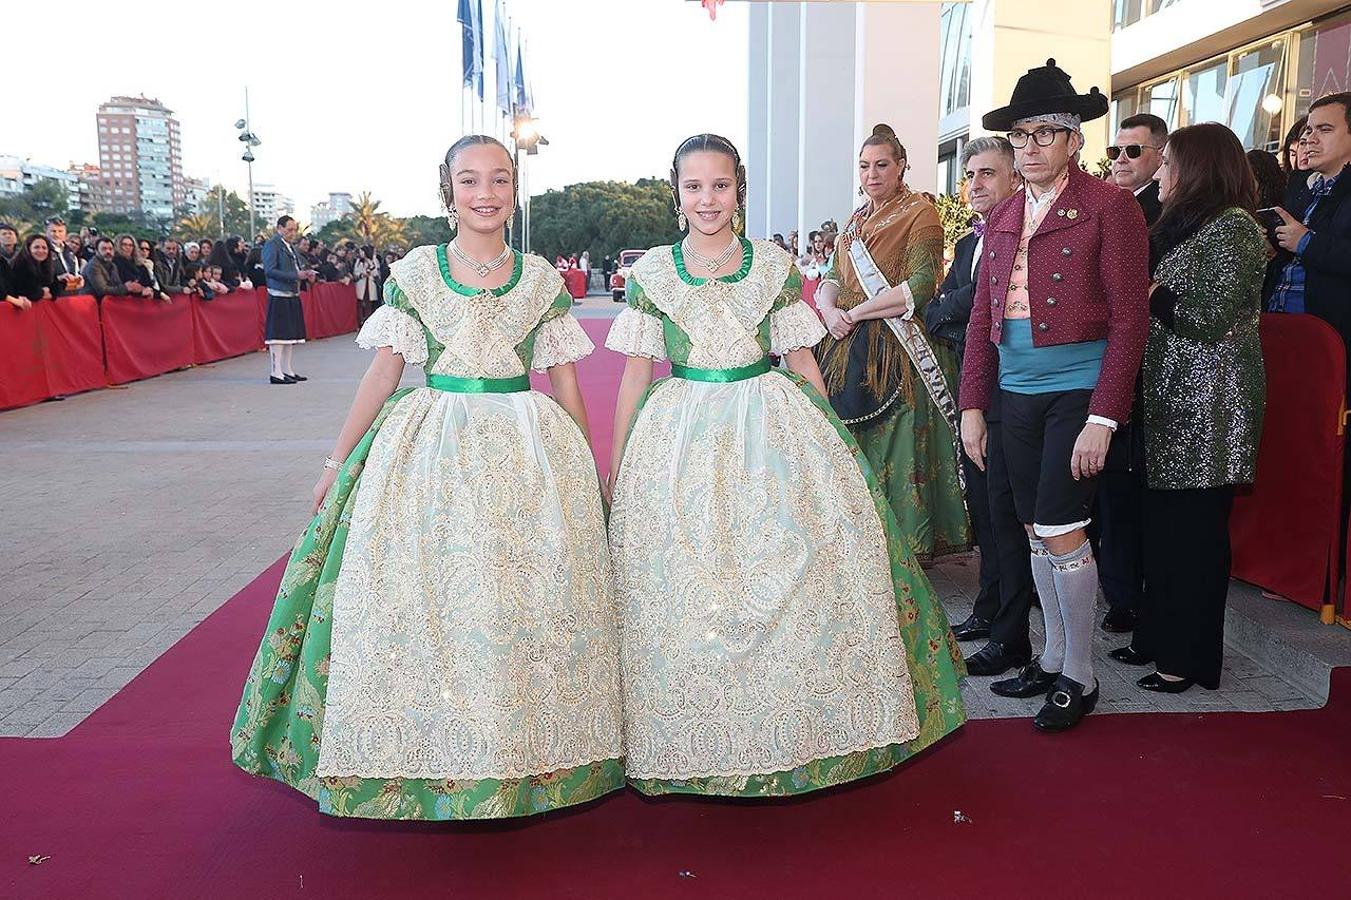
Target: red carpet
x=142, y=801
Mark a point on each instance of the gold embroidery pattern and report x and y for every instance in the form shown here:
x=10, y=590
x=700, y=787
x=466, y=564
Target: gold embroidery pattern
x=760, y=630
x=480, y=333
x=722, y=319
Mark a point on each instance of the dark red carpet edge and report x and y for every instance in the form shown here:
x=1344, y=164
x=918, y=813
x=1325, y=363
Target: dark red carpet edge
x=141, y=800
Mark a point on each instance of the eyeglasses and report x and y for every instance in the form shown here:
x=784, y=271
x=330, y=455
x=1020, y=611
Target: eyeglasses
x=1042, y=137
x=1132, y=151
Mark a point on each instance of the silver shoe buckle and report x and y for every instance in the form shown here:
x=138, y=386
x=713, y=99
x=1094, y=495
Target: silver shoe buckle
x=1061, y=699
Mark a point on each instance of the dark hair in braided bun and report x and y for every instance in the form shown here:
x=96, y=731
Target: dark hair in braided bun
x=714, y=143
x=464, y=143
x=884, y=136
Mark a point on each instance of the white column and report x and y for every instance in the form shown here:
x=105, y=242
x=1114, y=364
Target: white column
x=783, y=122
x=826, y=168
x=757, y=103
x=900, y=89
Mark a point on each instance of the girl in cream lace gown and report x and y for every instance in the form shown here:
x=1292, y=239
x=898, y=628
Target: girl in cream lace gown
x=778, y=635
x=444, y=642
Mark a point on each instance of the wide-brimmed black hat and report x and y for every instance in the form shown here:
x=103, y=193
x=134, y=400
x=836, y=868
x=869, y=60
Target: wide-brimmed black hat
x=1044, y=90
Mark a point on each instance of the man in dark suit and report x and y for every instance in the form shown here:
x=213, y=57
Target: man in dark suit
x=1136, y=157
x=1000, y=612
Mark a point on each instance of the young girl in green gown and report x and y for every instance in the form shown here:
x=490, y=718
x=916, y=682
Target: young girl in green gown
x=444, y=642
x=778, y=635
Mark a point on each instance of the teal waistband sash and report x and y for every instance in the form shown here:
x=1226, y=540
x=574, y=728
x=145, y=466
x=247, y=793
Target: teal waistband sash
x=457, y=385
x=721, y=376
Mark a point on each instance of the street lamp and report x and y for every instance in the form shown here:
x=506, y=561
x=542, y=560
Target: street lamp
x=250, y=140
x=525, y=136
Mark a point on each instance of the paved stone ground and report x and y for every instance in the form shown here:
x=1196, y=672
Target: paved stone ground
x=130, y=515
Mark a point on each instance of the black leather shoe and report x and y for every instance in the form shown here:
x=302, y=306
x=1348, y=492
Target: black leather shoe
x=1066, y=705
x=1130, y=656
x=1031, y=681
x=275, y=380
x=973, y=629
x=993, y=659
x=1119, y=621
x=1160, y=685
x=295, y=377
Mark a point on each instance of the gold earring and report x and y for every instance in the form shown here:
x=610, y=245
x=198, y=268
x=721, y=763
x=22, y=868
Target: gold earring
x=453, y=219
x=860, y=190
x=511, y=221
x=681, y=221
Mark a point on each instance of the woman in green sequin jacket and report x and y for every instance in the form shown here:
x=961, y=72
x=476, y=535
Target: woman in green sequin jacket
x=1204, y=397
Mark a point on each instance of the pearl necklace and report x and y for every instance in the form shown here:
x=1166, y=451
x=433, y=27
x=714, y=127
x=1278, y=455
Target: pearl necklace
x=712, y=264
x=482, y=268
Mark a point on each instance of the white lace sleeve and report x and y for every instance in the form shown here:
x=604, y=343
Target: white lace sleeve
x=396, y=329
x=636, y=333
x=560, y=341
x=794, y=327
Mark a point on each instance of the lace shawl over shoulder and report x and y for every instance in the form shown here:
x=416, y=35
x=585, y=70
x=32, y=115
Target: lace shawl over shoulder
x=480, y=332
x=722, y=318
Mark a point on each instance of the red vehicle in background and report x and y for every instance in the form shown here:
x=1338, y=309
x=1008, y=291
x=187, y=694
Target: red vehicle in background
x=621, y=276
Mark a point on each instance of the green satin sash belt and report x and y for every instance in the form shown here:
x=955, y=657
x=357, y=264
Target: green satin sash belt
x=457, y=385
x=721, y=376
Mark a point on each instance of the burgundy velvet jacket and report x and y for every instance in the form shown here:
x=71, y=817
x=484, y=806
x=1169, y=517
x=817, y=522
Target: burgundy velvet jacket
x=1089, y=279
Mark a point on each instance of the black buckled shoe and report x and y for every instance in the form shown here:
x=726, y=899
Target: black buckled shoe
x=1119, y=621
x=973, y=629
x=993, y=659
x=1130, y=656
x=294, y=377
x=1031, y=681
x=1066, y=705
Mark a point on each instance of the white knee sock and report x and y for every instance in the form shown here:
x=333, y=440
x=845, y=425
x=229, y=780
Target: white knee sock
x=274, y=357
x=1076, y=587
x=286, y=366
x=1053, y=656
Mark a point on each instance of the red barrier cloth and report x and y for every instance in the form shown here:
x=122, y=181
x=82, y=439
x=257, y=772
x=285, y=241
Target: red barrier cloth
x=809, y=286
x=1285, y=529
x=335, y=305
x=145, y=338
x=262, y=314
x=224, y=326
x=72, y=344
x=575, y=279
x=309, y=306
x=23, y=377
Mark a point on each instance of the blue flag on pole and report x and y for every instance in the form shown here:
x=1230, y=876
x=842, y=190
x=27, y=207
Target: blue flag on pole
x=480, y=49
x=522, y=95
x=502, y=60
x=468, y=55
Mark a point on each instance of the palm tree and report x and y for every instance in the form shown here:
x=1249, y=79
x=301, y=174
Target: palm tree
x=365, y=215
x=196, y=226
x=388, y=231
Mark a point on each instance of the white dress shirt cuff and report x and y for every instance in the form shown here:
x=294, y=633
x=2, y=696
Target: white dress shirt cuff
x=1102, y=420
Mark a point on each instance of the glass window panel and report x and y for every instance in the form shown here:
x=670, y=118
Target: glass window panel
x=1203, y=93
x=1324, y=64
x=1126, y=12
x=1257, y=79
x=1160, y=99
x=1156, y=5
x=1124, y=106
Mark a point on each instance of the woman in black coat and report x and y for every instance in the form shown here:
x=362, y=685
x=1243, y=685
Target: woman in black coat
x=230, y=256
x=33, y=272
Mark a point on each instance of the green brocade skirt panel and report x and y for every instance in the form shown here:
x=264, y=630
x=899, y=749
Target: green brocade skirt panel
x=910, y=449
x=279, y=725
x=932, y=654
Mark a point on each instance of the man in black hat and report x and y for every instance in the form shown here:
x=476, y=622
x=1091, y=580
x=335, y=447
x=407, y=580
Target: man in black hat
x=1058, y=327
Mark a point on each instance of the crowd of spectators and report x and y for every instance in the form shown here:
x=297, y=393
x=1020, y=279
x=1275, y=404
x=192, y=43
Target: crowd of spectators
x=56, y=262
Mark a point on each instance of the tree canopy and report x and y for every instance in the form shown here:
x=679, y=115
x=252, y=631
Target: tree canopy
x=602, y=217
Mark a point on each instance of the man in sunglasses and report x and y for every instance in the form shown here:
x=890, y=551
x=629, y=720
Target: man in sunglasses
x=1136, y=156
x=1058, y=327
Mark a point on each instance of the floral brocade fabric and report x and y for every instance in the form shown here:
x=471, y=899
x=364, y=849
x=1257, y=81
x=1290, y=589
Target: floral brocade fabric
x=444, y=644
x=778, y=636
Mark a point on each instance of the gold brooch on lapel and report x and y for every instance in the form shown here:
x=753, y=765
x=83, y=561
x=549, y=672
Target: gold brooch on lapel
x=1072, y=214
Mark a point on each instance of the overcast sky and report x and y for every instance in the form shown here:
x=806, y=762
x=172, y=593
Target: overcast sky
x=366, y=96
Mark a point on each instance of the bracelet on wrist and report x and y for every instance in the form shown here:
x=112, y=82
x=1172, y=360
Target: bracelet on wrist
x=331, y=463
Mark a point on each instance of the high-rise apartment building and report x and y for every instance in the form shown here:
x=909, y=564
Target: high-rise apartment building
x=338, y=205
x=141, y=156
